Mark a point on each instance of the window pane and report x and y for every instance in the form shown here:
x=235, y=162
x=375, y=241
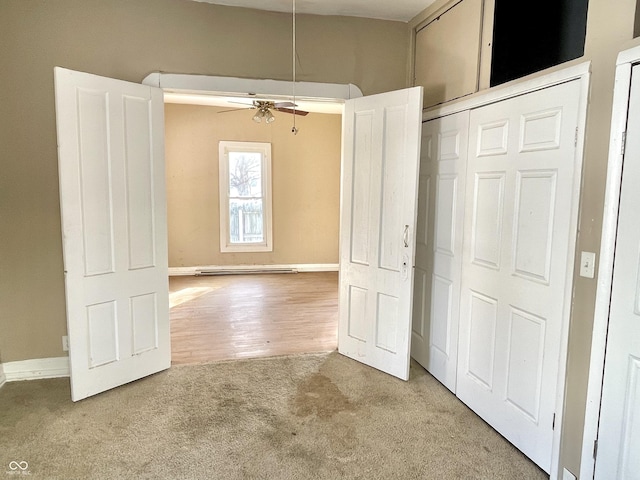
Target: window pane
x=245, y=174
x=245, y=219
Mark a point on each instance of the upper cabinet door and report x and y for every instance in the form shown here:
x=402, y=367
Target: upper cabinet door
x=447, y=53
x=113, y=204
x=381, y=150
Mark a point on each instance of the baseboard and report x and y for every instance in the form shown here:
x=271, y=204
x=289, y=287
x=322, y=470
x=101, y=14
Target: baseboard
x=36, y=368
x=298, y=267
x=3, y=378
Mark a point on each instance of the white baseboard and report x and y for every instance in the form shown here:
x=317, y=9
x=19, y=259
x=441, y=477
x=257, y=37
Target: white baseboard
x=36, y=368
x=3, y=379
x=299, y=267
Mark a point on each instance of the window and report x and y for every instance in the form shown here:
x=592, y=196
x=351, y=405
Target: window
x=245, y=197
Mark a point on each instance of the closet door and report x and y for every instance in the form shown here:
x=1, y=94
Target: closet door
x=619, y=426
x=443, y=159
x=518, y=262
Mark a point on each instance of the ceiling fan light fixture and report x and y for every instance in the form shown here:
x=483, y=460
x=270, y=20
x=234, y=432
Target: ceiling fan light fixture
x=258, y=116
x=269, y=118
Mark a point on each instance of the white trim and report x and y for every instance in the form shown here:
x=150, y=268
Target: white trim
x=298, y=267
x=3, y=378
x=631, y=55
x=519, y=87
x=607, y=250
x=176, y=82
x=36, y=368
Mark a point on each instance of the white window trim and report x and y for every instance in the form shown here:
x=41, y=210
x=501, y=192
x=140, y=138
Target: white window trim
x=223, y=168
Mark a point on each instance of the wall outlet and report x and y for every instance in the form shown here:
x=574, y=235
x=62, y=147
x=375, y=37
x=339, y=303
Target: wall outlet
x=65, y=343
x=567, y=475
x=587, y=264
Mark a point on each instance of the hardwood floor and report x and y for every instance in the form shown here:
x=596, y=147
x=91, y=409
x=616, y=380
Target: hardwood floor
x=238, y=316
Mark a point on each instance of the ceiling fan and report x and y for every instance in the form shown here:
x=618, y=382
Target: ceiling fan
x=265, y=109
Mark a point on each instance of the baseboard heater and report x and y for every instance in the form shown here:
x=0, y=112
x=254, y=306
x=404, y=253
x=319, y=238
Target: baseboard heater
x=244, y=271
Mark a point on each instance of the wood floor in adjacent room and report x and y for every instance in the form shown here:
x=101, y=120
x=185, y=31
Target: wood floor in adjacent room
x=241, y=316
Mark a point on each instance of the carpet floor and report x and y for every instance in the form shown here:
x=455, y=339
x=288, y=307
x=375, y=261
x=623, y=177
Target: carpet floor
x=319, y=416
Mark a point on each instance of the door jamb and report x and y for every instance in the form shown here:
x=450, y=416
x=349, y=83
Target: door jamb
x=624, y=64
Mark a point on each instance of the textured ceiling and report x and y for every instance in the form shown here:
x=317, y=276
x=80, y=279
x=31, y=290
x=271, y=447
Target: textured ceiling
x=401, y=10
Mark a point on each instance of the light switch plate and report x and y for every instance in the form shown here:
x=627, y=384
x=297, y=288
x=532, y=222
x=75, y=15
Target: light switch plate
x=587, y=264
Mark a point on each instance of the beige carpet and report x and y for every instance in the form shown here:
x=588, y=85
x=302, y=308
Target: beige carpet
x=305, y=417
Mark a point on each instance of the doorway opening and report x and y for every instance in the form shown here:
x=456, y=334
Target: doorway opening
x=227, y=305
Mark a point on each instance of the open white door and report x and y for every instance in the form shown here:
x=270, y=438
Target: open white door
x=381, y=150
x=113, y=205
x=619, y=426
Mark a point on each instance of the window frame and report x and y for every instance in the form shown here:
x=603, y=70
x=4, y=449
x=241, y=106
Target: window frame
x=224, y=148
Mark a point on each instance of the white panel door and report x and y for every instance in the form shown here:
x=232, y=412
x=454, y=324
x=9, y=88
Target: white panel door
x=112, y=198
x=381, y=148
x=618, y=453
x=518, y=262
x=436, y=298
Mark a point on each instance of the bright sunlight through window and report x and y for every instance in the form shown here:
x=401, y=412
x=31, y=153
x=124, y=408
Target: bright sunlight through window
x=245, y=197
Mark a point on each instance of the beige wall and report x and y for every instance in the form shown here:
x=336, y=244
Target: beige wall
x=128, y=39
x=305, y=183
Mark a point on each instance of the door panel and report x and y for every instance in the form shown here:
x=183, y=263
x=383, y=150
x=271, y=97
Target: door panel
x=379, y=191
x=619, y=424
x=518, y=262
x=112, y=197
x=441, y=193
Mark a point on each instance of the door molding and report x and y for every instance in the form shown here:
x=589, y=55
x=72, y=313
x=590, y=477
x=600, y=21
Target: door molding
x=625, y=61
x=249, y=87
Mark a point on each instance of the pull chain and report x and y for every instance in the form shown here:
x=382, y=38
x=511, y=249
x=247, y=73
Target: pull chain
x=294, y=130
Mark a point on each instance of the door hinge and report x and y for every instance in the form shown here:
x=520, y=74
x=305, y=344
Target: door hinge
x=575, y=138
x=623, y=143
x=553, y=423
x=595, y=448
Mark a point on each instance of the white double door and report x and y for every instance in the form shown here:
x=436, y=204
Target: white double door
x=496, y=236
x=113, y=205
x=618, y=453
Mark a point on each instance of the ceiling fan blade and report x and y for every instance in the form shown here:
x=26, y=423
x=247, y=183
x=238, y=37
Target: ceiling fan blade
x=232, y=110
x=249, y=103
x=291, y=110
x=284, y=105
